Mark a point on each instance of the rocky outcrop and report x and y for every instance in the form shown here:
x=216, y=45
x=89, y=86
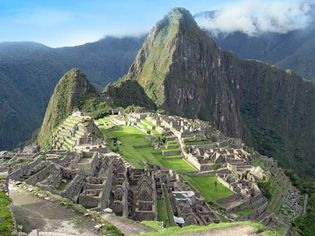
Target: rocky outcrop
x=182, y=71
x=72, y=88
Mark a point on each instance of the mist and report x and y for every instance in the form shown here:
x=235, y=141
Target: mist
x=257, y=17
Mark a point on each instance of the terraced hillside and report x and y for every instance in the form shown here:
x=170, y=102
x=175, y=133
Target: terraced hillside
x=72, y=130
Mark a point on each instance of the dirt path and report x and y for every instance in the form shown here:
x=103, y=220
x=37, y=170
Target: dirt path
x=126, y=226
x=241, y=230
x=47, y=216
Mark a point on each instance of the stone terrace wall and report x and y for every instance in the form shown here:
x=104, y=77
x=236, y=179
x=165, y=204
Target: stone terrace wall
x=74, y=188
x=27, y=169
x=41, y=175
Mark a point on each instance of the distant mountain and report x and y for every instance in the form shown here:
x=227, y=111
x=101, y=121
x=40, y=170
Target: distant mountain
x=181, y=69
x=29, y=72
x=293, y=50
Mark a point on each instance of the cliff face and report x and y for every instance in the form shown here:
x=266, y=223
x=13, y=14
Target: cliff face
x=72, y=88
x=182, y=71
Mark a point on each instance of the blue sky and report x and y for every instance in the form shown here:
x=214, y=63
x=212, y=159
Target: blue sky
x=58, y=23
x=72, y=22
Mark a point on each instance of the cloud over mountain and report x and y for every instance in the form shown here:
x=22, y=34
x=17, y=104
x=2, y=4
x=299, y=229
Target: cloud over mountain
x=254, y=17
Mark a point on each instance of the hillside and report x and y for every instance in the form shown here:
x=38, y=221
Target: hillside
x=183, y=72
x=16, y=118
x=72, y=88
x=31, y=71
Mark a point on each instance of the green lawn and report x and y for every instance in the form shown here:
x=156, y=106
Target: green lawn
x=132, y=138
x=162, y=212
x=206, y=186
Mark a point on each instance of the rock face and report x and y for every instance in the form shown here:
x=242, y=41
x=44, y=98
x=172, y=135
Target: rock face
x=182, y=71
x=72, y=88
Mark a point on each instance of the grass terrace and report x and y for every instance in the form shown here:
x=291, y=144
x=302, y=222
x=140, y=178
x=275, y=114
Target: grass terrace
x=206, y=186
x=137, y=149
x=148, y=126
x=105, y=123
x=161, y=207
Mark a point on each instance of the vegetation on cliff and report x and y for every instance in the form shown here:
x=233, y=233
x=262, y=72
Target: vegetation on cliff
x=70, y=91
x=128, y=92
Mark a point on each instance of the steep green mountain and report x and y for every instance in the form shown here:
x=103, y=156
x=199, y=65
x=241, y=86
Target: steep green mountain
x=183, y=72
x=32, y=71
x=71, y=89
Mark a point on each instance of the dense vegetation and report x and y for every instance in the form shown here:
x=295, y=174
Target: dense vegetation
x=305, y=222
x=128, y=92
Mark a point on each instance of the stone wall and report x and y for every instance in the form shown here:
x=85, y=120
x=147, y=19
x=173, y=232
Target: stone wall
x=89, y=168
x=107, y=191
x=41, y=175
x=26, y=170
x=74, y=188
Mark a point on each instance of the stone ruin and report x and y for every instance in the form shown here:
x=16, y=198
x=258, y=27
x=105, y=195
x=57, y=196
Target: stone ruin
x=78, y=133
x=84, y=171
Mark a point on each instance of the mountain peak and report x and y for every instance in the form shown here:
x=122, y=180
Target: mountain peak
x=177, y=16
x=174, y=40
x=71, y=89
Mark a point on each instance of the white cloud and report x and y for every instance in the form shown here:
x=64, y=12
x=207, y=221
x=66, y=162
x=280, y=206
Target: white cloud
x=254, y=17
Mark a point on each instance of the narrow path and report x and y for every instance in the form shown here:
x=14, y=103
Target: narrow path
x=125, y=225
x=34, y=213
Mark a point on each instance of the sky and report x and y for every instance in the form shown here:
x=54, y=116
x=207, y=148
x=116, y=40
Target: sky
x=58, y=23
